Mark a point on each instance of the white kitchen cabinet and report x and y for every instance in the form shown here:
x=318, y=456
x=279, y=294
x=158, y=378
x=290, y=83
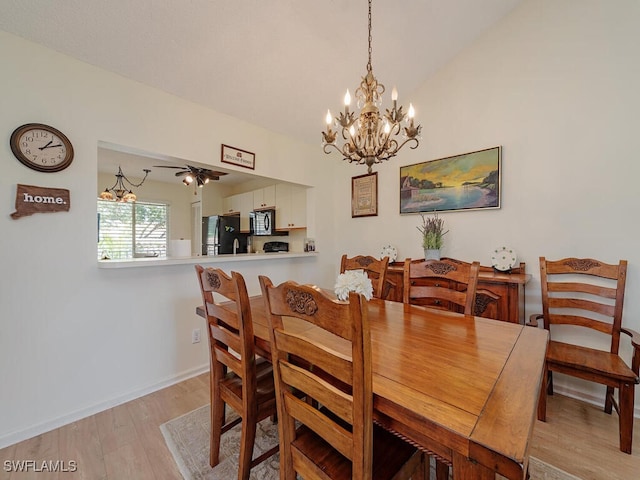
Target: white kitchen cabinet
x=264, y=197
x=243, y=203
x=298, y=207
x=291, y=206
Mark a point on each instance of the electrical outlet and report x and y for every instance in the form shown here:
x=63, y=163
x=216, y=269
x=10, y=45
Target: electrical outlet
x=195, y=335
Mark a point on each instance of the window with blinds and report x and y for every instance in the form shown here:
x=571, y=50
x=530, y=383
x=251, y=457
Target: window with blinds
x=132, y=230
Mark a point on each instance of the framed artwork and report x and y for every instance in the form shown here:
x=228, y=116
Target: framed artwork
x=364, y=195
x=463, y=182
x=238, y=157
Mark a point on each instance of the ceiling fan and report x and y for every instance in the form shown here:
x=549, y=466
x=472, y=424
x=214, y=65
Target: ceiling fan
x=197, y=174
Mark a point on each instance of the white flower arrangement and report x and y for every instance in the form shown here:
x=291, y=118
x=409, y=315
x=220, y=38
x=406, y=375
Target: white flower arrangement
x=353, y=281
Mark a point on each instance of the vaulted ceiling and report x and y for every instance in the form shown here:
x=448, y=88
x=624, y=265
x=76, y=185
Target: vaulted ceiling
x=275, y=63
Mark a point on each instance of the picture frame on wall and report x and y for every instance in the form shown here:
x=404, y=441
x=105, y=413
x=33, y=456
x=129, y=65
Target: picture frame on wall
x=469, y=181
x=364, y=195
x=236, y=156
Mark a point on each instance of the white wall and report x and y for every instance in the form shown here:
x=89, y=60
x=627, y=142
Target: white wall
x=75, y=339
x=557, y=85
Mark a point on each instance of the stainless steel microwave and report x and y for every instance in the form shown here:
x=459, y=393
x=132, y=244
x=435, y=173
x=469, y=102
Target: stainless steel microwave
x=262, y=222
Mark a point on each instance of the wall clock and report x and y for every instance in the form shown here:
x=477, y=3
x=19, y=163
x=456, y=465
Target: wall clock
x=41, y=147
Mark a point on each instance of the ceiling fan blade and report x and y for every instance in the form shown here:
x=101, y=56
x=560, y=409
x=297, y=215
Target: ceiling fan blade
x=168, y=166
x=179, y=174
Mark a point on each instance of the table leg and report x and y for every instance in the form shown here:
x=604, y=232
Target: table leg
x=465, y=469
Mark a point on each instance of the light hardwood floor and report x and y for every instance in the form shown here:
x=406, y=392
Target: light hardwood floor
x=125, y=442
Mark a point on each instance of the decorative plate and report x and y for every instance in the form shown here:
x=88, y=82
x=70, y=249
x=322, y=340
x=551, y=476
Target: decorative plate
x=503, y=258
x=389, y=251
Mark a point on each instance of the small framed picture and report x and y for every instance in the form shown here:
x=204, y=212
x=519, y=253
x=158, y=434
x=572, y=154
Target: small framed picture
x=236, y=156
x=364, y=195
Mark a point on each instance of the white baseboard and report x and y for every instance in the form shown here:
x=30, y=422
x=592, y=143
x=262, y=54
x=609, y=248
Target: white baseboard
x=20, y=435
x=584, y=397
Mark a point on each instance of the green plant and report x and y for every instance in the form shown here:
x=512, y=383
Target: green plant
x=432, y=230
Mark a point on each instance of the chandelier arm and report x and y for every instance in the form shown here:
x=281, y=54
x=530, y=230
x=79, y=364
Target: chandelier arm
x=350, y=154
x=327, y=146
x=342, y=152
x=136, y=185
x=407, y=141
x=387, y=138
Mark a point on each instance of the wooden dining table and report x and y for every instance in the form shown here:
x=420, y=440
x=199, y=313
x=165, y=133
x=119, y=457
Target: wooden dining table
x=461, y=387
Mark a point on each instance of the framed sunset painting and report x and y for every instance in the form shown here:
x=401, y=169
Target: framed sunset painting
x=463, y=182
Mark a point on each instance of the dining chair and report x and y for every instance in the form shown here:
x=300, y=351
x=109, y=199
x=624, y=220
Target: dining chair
x=581, y=294
x=446, y=284
x=332, y=367
x=238, y=377
x=375, y=269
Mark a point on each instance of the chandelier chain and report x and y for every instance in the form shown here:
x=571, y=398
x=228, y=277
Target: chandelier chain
x=369, y=67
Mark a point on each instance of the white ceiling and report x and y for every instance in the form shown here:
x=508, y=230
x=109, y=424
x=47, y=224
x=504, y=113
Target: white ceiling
x=279, y=63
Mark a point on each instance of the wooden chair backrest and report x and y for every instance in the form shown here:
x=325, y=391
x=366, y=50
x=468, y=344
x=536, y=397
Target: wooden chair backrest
x=584, y=292
x=230, y=327
x=341, y=382
x=375, y=269
x=458, y=286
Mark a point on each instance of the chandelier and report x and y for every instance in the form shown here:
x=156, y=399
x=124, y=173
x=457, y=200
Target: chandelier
x=370, y=138
x=119, y=192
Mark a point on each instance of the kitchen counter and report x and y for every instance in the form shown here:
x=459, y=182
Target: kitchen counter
x=204, y=260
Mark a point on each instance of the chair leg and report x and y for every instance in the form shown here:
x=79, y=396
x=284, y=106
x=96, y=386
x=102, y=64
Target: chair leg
x=247, y=439
x=542, y=397
x=549, y=382
x=217, y=422
x=608, y=400
x=626, y=400
x=442, y=470
x=425, y=467
x=419, y=471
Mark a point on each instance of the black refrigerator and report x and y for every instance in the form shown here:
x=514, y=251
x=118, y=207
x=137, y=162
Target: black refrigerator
x=219, y=233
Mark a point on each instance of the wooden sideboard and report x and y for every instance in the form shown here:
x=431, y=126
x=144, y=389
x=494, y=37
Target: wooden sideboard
x=499, y=295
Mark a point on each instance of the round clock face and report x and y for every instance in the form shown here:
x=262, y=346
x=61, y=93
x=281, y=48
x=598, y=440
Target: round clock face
x=41, y=147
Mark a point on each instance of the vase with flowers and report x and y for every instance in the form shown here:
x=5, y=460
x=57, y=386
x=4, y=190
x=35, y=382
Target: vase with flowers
x=432, y=230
